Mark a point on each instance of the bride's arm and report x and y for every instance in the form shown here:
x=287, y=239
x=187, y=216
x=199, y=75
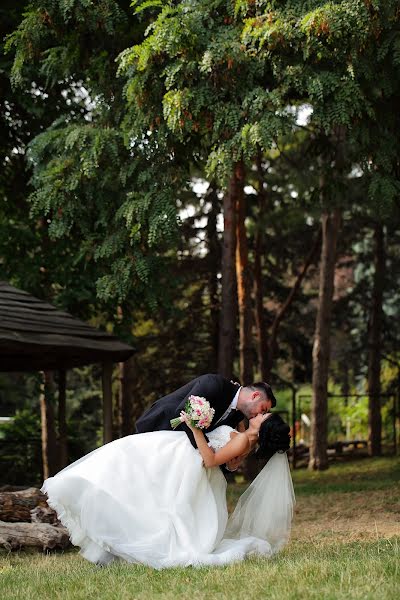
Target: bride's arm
x=237, y=446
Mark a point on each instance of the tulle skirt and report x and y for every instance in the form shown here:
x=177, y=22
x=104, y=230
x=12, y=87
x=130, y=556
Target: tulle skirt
x=148, y=499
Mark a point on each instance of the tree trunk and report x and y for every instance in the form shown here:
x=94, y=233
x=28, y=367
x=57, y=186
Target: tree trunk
x=374, y=347
x=49, y=438
x=126, y=396
x=40, y=535
x=17, y=506
x=243, y=282
x=272, y=349
x=262, y=340
x=137, y=401
x=227, y=328
x=214, y=262
x=106, y=380
x=321, y=347
x=62, y=421
x=44, y=514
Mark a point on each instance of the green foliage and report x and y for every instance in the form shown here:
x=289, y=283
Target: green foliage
x=38, y=37
x=210, y=94
x=20, y=449
x=140, y=5
x=127, y=105
x=336, y=56
x=206, y=82
x=91, y=179
x=27, y=258
x=20, y=438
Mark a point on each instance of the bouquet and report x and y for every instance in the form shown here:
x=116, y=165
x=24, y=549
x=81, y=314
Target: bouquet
x=199, y=411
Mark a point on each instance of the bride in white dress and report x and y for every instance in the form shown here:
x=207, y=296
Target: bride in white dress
x=149, y=498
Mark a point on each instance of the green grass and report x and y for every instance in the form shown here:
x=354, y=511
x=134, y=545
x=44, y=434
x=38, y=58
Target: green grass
x=344, y=546
x=352, y=570
x=366, y=474
x=361, y=475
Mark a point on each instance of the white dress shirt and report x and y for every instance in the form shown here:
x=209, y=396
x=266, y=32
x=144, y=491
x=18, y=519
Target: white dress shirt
x=232, y=406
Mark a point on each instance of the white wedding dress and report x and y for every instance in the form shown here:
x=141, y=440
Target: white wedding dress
x=148, y=499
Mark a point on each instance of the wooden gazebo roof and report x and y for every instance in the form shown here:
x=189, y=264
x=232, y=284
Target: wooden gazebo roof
x=34, y=335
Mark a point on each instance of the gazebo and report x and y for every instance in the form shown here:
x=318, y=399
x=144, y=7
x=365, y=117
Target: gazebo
x=36, y=336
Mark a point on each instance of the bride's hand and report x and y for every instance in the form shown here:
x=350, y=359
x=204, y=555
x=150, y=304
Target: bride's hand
x=185, y=419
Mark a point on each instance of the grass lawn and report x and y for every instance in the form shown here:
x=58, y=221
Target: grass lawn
x=345, y=545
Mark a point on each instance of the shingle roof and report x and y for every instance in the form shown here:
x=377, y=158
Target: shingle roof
x=34, y=335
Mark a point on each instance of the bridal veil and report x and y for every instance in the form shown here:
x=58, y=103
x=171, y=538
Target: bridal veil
x=265, y=509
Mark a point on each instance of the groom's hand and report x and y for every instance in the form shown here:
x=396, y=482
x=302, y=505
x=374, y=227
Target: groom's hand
x=234, y=463
x=241, y=427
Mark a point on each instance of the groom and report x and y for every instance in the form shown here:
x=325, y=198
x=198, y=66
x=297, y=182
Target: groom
x=232, y=403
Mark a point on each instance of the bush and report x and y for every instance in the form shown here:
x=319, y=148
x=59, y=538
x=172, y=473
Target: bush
x=20, y=449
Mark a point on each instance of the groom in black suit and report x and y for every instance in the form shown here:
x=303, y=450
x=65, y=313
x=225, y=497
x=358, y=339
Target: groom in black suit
x=232, y=403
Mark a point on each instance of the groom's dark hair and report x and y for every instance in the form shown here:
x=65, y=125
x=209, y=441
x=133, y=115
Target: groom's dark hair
x=266, y=389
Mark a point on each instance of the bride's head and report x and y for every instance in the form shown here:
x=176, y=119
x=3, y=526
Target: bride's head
x=273, y=436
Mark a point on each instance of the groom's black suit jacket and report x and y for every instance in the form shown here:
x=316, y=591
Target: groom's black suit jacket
x=216, y=389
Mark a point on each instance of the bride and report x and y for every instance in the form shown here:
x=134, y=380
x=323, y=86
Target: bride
x=153, y=499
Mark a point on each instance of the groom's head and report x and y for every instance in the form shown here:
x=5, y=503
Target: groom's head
x=255, y=399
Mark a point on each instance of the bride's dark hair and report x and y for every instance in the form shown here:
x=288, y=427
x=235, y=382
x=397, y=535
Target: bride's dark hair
x=273, y=437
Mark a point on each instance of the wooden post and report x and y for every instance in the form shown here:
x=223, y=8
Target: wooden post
x=126, y=393
x=107, y=401
x=49, y=439
x=62, y=421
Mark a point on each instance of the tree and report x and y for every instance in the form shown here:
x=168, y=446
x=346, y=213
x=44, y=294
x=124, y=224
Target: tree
x=243, y=283
x=228, y=310
x=330, y=55
x=374, y=344
x=192, y=83
x=209, y=87
x=89, y=181
x=49, y=440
